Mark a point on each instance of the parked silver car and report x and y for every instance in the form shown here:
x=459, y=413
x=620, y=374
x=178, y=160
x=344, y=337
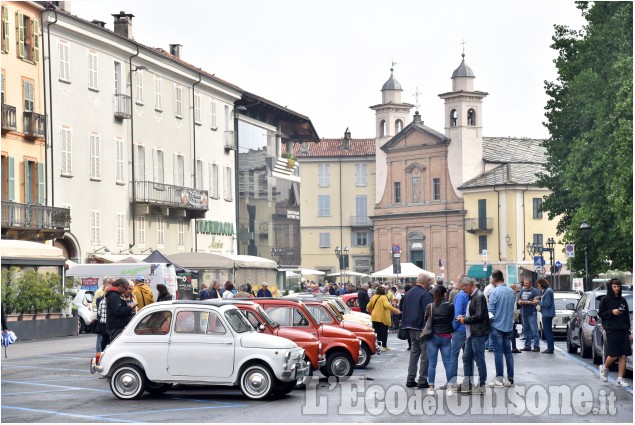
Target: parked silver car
x=85, y=315
x=599, y=335
x=559, y=324
x=580, y=325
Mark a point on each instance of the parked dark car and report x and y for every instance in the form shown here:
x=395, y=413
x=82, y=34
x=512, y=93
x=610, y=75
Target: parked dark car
x=599, y=335
x=580, y=325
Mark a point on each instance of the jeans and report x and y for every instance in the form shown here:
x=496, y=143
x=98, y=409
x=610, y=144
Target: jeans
x=98, y=346
x=530, y=329
x=436, y=344
x=502, y=345
x=547, y=328
x=382, y=332
x=458, y=343
x=474, y=351
x=418, y=358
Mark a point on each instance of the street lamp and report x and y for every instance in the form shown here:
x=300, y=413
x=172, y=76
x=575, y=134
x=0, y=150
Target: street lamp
x=551, y=243
x=534, y=249
x=342, y=256
x=585, y=227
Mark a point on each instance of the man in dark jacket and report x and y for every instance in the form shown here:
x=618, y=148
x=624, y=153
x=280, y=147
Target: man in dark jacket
x=119, y=312
x=415, y=302
x=362, y=298
x=477, y=331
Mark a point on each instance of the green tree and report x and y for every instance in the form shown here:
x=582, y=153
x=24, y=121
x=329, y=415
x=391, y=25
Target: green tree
x=589, y=114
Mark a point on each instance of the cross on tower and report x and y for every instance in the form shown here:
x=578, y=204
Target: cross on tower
x=416, y=94
x=392, y=64
x=463, y=43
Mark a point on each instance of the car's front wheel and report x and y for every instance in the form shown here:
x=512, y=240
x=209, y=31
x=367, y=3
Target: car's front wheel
x=364, y=357
x=284, y=388
x=585, y=351
x=572, y=349
x=339, y=364
x=256, y=382
x=157, y=388
x=81, y=325
x=128, y=382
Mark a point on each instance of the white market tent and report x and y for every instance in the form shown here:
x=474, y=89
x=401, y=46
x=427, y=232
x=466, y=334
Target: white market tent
x=311, y=272
x=407, y=270
x=346, y=273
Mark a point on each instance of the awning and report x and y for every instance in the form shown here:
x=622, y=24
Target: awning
x=476, y=272
x=115, y=258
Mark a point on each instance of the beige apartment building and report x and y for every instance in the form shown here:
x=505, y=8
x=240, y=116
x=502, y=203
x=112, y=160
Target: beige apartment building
x=338, y=197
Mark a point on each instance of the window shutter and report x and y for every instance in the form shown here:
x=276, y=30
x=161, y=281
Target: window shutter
x=60, y=48
x=5, y=27
x=155, y=164
x=36, y=40
x=28, y=195
x=20, y=28
x=175, y=162
x=11, y=178
x=69, y=150
x=40, y=183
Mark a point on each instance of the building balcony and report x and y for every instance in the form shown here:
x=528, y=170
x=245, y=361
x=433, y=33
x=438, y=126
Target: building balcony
x=34, y=125
x=230, y=140
x=361, y=221
x=479, y=226
x=9, y=122
x=178, y=201
x=32, y=221
x=122, y=106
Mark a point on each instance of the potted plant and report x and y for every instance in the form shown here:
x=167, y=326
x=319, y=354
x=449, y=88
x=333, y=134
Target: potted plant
x=291, y=160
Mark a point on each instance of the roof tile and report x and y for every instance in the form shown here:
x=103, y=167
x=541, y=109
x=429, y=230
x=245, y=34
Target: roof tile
x=333, y=148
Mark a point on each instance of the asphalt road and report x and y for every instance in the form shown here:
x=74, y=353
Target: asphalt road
x=48, y=381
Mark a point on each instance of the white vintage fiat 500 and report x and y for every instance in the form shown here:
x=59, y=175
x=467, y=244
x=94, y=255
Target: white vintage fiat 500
x=193, y=343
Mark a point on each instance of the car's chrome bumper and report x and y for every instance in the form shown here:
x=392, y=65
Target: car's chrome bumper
x=321, y=360
x=378, y=348
x=297, y=371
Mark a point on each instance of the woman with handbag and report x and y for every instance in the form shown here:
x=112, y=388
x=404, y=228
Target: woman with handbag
x=441, y=315
x=379, y=308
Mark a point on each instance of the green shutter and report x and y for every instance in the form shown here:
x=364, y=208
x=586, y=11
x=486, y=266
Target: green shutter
x=40, y=184
x=482, y=213
x=5, y=28
x=20, y=28
x=11, y=178
x=36, y=40
x=28, y=195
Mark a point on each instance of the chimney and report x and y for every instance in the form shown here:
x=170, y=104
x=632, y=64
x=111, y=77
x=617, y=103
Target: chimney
x=100, y=24
x=346, y=141
x=123, y=24
x=417, y=118
x=175, y=50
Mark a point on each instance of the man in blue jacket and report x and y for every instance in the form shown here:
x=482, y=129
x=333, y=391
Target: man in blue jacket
x=458, y=337
x=501, y=304
x=529, y=315
x=415, y=302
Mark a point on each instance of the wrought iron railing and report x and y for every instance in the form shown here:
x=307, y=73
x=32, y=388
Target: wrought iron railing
x=9, y=121
x=33, y=216
x=148, y=192
x=361, y=220
x=34, y=124
x=122, y=105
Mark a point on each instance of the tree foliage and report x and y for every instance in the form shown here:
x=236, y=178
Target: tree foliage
x=589, y=114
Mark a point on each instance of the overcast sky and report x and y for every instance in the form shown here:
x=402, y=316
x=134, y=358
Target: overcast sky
x=328, y=59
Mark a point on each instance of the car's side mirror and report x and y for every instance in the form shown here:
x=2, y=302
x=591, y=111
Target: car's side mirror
x=261, y=327
x=570, y=306
x=592, y=313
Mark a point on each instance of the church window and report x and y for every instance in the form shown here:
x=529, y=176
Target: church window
x=415, y=188
x=453, y=117
x=398, y=126
x=471, y=117
x=382, y=128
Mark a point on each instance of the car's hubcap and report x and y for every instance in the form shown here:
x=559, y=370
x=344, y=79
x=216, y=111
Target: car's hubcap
x=340, y=367
x=362, y=358
x=256, y=382
x=127, y=383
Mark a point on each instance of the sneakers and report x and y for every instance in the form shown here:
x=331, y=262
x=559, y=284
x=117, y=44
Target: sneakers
x=466, y=388
x=430, y=391
x=411, y=384
x=547, y=352
x=516, y=351
x=449, y=391
x=497, y=382
x=604, y=373
x=385, y=349
x=535, y=350
x=621, y=383
x=423, y=385
x=526, y=349
x=508, y=382
x=478, y=390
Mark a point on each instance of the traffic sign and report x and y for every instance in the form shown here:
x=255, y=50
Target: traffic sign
x=539, y=261
x=558, y=264
x=569, y=250
x=396, y=249
x=484, y=255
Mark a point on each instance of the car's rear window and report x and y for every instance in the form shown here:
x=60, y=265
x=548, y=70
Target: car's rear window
x=561, y=303
x=237, y=321
x=157, y=323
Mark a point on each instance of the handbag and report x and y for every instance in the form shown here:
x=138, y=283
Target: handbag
x=402, y=334
x=427, y=332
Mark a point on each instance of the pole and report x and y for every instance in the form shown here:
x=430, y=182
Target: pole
x=586, y=270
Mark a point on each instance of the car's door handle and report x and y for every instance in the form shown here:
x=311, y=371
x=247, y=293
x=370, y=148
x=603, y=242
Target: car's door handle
x=228, y=343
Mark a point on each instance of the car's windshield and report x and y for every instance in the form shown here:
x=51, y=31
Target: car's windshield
x=334, y=309
x=237, y=321
x=342, y=306
x=315, y=320
x=320, y=312
x=266, y=317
